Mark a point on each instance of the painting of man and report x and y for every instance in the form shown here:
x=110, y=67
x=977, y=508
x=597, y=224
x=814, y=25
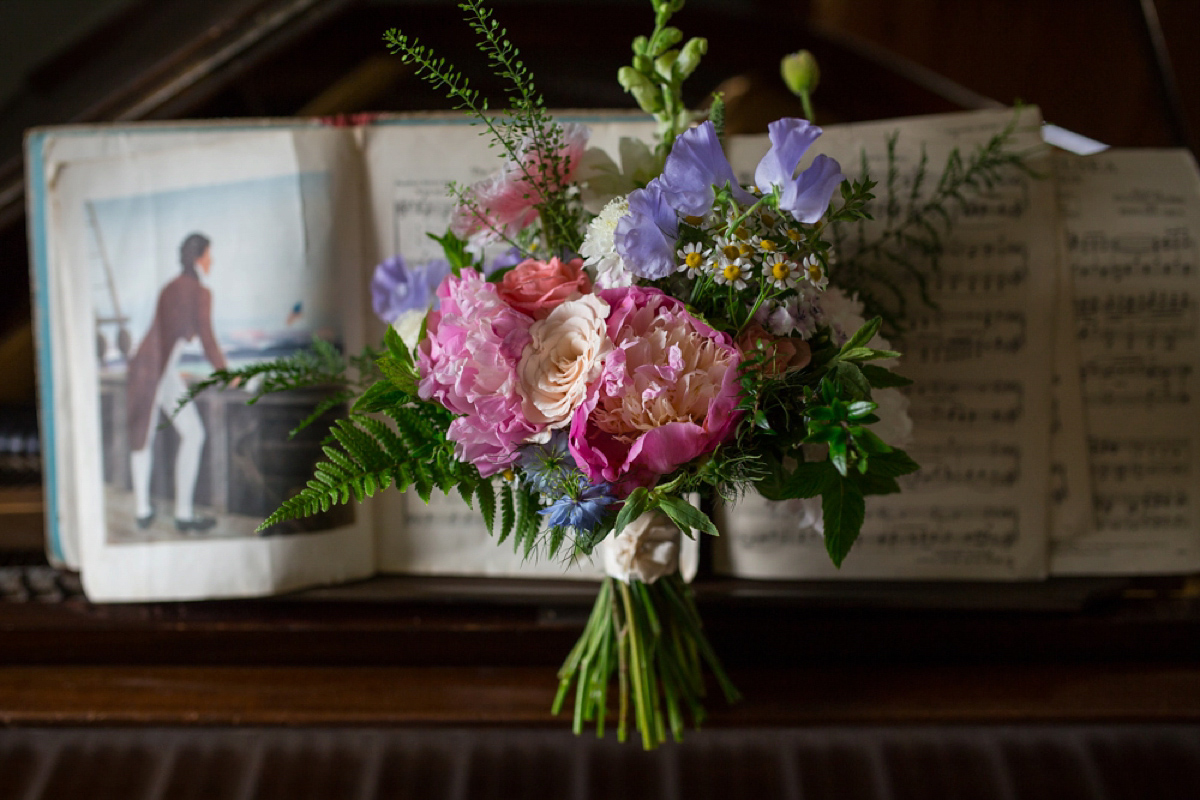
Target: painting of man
x=182, y=313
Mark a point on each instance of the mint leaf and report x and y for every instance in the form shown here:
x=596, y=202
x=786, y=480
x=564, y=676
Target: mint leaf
x=843, y=510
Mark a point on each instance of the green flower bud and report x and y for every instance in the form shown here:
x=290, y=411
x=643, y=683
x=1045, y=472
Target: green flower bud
x=667, y=38
x=800, y=72
x=631, y=80
x=639, y=45
x=648, y=97
x=664, y=63
x=643, y=64
x=689, y=57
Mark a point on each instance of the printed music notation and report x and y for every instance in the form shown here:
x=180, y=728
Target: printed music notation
x=1135, y=380
x=973, y=466
x=1120, y=459
x=963, y=336
x=417, y=207
x=950, y=527
x=966, y=402
x=1151, y=510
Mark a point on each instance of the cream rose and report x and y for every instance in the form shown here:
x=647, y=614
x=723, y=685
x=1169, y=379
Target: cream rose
x=565, y=355
x=646, y=550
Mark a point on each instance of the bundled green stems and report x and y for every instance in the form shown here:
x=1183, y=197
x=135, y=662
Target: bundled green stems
x=651, y=636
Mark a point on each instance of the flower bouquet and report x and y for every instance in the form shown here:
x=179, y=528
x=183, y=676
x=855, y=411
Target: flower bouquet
x=579, y=377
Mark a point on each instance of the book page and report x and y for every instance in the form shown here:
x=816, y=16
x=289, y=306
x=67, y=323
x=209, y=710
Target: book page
x=983, y=366
x=409, y=162
x=47, y=151
x=171, y=264
x=1132, y=219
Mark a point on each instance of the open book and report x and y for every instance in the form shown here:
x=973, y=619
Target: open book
x=163, y=251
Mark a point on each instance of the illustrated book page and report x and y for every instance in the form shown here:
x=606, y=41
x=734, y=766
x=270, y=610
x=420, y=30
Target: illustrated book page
x=169, y=264
x=982, y=362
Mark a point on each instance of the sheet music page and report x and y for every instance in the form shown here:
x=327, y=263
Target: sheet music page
x=1131, y=220
x=982, y=366
x=408, y=164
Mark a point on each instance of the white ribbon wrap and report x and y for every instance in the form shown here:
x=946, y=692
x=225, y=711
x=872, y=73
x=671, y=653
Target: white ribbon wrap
x=649, y=548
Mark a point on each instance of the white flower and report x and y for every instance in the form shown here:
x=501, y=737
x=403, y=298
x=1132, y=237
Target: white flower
x=599, y=250
x=645, y=550
x=408, y=326
x=782, y=272
x=566, y=354
x=764, y=245
x=815, y=271
x=732, y=273
x=694, y=258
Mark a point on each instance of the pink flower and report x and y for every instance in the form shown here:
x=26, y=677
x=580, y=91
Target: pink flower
x=468, y=363
x=667, y=393
x=506, y=202
x=535, y=287
x=780, y=353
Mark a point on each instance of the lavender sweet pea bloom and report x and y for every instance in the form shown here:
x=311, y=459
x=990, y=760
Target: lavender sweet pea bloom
x=645, y=237
x=807, y=195
x=396, y=289
x=696, y=165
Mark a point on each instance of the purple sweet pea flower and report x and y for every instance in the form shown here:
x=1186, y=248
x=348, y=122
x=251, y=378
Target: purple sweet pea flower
x=807, y=195
x=645, y=237
x=696, y=165
x=395, y=288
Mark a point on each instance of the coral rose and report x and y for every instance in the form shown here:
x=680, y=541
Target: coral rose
x=535, y=287
x=667, y=394
x=565, y=355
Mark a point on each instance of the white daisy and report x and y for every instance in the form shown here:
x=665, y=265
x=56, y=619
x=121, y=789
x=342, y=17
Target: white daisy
x=782, y=272
x=732, y=273
x=815, y=271
x=764, y=245
x=694, y=259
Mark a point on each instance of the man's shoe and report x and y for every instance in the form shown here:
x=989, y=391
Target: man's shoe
x=197, y=525
x=144, y=522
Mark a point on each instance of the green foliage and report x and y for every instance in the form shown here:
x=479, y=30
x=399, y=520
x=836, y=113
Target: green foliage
x=880, y=266
x=527, y=126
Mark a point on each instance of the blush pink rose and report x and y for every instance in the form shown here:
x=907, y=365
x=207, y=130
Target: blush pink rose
x=535, y=287
x=668, y=392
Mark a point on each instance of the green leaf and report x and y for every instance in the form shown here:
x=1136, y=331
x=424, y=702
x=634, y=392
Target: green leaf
x=485, y=493
x=638, y=502
x=860, y=409
x=893, y=464
x=852, y=380
x=843, y=510
x=455, y=250
x=862, y=336
x=380, y=395
x=403, y=376
x=882, y=377
x=810, y=479
x=873, y=483
x=396, y=346
x=507, y=512
x=686, y=515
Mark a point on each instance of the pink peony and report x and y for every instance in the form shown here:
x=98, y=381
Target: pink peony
x=667, y=393
x=506, y=202
x=468, y=363
x=535, y=287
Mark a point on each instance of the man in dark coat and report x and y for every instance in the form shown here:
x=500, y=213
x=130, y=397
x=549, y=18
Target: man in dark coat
x=184, y=311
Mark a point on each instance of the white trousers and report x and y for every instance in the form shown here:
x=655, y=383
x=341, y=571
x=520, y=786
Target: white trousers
x=191, y=444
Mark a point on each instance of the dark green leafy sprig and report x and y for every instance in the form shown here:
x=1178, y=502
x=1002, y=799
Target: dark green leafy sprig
x=321, y=366
x=907, y=251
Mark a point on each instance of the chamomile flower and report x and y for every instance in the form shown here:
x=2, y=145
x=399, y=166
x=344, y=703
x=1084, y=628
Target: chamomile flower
x=815, y=271
x=768, y=220
x=794, y=234
x=767, y=247
x=729, y=248
x=694, y=259
x=732, y=273
x=782, y=272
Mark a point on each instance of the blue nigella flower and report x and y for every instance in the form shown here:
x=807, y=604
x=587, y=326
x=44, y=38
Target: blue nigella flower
x=695, y=166
x=396, y=288
x=806, y=196
x=583, y=513
x=546, y=467
x=645, y=237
